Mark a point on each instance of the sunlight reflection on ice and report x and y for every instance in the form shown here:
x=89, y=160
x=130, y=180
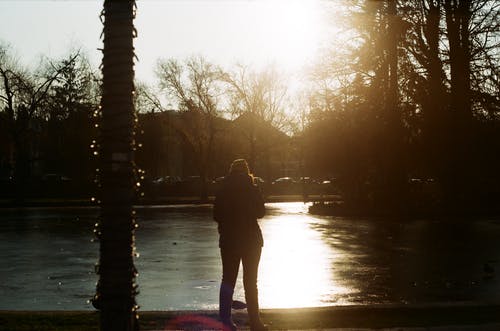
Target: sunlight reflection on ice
x=295, y=268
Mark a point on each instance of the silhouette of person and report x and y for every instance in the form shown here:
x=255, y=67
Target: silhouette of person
x=238, y=205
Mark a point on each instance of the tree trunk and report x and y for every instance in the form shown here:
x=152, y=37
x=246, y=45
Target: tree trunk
x=392, y=58
x=116, y=289
x=22, y=169
x=252, y=155
x=435, y=113
x=393, y=167
x=457, y=180
x=458, y=17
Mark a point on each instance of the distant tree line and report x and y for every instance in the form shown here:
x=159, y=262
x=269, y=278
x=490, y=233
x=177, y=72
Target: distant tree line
x=414, y=95
x=407, y=102
x=50, y=115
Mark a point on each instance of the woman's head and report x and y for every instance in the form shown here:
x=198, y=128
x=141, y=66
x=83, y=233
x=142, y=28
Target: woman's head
x=239, y=167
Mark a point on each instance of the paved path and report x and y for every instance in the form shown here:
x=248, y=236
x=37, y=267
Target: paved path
x=360, y=318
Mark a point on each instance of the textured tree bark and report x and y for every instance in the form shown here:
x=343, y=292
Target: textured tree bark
x=116, y=288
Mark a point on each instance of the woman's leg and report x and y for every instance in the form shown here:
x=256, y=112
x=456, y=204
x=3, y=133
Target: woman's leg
x=251, y=259
x=230, y=266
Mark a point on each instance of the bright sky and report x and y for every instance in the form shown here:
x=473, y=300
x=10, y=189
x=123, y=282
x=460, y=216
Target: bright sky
x=255, y=32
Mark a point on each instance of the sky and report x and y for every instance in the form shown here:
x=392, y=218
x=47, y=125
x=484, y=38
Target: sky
x=286, y=33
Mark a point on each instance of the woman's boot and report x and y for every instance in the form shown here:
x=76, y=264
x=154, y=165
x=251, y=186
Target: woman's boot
x=253, y=311
x=225, y=303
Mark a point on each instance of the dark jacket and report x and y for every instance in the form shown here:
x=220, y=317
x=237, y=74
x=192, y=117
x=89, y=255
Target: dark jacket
x=237, y=207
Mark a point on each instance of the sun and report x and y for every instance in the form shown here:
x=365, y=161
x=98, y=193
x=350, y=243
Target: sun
x=291, y=30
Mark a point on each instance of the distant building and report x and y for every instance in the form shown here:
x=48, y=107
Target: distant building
x=166, y=149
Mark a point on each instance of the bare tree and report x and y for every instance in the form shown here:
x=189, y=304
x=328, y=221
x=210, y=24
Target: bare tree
x=195, y=87
x=260, y=97
x=67, y=125
x=23, y=94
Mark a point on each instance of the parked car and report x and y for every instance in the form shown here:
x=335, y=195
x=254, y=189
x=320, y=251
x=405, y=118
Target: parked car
x=166, y=180
x=284, y=181
x=283, y=185
x=55, y=178
x=55, y=185
x=258, y=181
x=328, y=186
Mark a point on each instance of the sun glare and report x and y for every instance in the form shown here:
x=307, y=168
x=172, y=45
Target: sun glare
x=292, y=30
x=287, y=33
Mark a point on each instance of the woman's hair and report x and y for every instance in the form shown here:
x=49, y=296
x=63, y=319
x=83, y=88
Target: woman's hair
x=239, y=167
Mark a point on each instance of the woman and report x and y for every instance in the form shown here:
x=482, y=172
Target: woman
x=237, y=207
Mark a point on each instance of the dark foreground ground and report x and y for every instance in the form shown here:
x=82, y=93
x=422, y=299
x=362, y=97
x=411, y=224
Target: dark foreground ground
x=437, y=317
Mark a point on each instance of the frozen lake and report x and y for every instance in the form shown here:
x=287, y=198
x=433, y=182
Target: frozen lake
x=48, y=259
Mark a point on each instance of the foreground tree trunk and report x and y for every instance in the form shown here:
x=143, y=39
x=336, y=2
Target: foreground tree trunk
x=116, y=289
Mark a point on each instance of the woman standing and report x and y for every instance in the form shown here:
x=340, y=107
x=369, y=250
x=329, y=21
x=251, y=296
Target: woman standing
x=237, y=207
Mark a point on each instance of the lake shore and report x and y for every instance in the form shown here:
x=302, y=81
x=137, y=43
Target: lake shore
x=61, y=202
x=321, y=205
x=408, y=317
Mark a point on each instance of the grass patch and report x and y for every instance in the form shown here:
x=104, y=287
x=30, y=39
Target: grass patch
x=49, y=321
x=281, y=319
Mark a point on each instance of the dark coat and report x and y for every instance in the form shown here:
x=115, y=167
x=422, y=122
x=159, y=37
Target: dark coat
x=237, y=207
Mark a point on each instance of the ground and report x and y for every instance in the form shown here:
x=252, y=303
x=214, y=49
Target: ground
x=379, y=317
